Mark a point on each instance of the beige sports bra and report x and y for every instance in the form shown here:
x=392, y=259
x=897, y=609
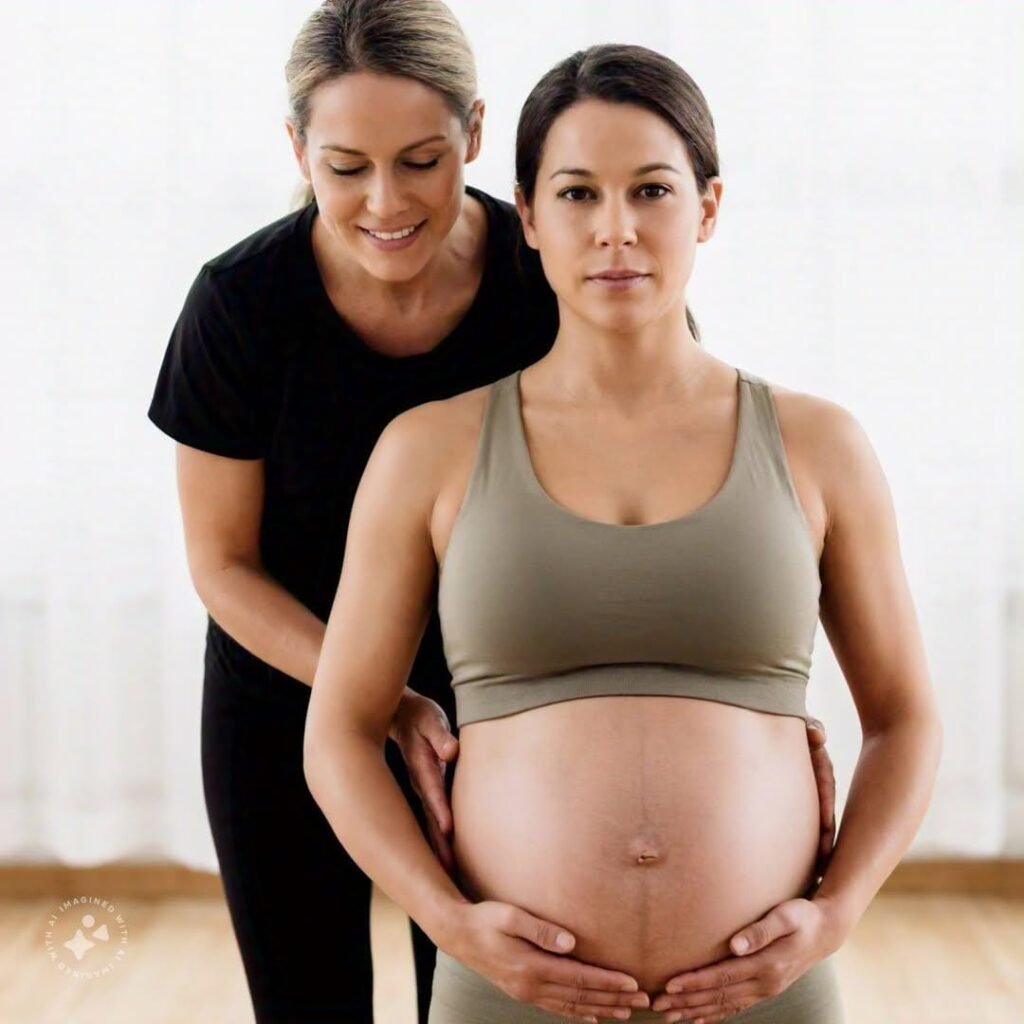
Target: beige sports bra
x=538, y=604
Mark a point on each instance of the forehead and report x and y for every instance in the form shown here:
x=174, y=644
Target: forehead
x=602, y=136
x=377, y=113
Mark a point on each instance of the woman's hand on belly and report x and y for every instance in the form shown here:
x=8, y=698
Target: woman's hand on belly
x=521, y=954
x=772, y=953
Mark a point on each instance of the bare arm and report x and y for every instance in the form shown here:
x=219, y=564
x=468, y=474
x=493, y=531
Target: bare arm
x=221, y=508
x=869, y=617
x=379, y=615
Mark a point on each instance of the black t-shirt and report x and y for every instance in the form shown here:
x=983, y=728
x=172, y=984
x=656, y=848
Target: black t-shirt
x=261, y=366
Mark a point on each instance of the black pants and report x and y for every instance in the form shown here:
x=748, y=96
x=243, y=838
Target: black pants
x=300, y=906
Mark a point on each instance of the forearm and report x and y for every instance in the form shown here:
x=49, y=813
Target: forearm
x=888, y=797
x=350, y=780
x=254, y=609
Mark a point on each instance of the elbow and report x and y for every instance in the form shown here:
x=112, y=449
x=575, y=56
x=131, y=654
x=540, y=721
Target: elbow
x=923, y=728
x=208, y=575
x=321, y=749
x=919, y=716
x=312, y=757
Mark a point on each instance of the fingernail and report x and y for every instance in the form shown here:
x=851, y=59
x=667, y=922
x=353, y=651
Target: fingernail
x=741, y=945
x=564, y=941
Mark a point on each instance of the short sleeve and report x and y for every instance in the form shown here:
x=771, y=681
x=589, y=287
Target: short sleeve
x=209, y=392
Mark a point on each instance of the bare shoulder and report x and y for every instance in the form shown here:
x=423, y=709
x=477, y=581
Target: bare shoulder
x=428, y=430
x=810, y=419
x=421, y=444
x=831, y=445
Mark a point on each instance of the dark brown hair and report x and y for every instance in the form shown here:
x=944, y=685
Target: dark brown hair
x=618, y=74
x=417, y=39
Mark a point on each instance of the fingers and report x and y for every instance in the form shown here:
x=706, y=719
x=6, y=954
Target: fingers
x=577, y=976
x=580, y=1011
x=579, y=990
x=592, y=998
x=426, y=776
x=440, y=845
x=432, y=792
x=708, y=1005
x=437, y=732
x=815, y=732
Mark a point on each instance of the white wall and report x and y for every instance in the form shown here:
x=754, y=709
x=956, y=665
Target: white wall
x=869, y=250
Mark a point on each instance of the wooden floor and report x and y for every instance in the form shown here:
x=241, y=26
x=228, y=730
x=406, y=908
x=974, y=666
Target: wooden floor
x=913, y=959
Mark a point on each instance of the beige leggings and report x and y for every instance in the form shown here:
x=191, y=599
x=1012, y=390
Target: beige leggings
x=461, y=996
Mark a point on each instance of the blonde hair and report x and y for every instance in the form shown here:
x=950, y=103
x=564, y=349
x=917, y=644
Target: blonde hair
x=417, y=39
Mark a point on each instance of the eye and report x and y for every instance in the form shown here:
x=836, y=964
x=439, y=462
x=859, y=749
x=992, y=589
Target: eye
x=646, y=190
x=423, y=167
x=348, y=172
x=573, y=193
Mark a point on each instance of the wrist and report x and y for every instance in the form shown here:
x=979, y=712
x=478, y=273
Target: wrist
x=448, y=926
x=839, y=917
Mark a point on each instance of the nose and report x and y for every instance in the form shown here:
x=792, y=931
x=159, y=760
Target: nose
x=615, y=225
x=384, y=199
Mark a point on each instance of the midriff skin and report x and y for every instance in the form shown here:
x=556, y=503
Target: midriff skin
x=652, y=827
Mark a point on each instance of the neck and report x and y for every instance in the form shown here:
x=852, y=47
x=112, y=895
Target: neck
x=656, y=363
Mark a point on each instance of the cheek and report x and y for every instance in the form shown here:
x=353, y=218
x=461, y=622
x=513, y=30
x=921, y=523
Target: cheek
x=672, y=240
x=561, y=260
x=337, y=199
x=564, y=241
x=442, y=188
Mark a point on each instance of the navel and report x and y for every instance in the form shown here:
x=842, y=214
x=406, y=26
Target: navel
x=644, y=849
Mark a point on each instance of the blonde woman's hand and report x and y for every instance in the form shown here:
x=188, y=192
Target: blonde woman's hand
x=825, y=780
x=520, y=954
x=421, y=729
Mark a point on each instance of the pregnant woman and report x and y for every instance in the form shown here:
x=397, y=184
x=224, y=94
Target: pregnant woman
x=634, y=541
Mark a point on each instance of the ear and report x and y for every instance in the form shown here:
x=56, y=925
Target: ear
x=299, y=148
x=475, y=130
x=709, y=201
x=526, y=219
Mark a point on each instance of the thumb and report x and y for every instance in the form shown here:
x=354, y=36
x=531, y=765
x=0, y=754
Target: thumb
x=760, y=934
x=816, y=728
x=444, y=744
x=543, y=933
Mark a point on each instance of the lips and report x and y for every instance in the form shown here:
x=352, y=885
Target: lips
x=618, y=275
x=393, y=234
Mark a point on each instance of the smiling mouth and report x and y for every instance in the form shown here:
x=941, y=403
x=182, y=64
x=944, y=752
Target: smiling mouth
x=392, y=236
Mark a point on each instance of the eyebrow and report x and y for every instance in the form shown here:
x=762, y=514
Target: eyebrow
x=582, y=172
x=412, y=145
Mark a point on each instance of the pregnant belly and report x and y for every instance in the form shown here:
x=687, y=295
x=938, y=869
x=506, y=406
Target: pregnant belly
x=652, y=827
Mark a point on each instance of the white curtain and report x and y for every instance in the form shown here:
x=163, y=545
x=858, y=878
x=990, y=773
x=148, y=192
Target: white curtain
x=869, y=250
